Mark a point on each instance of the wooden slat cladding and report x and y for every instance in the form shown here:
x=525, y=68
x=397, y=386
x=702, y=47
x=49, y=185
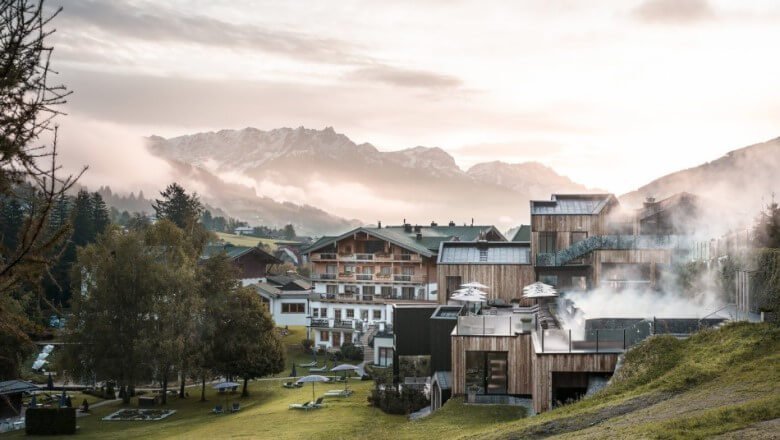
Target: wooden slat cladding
x=506, y=281
x=545, y=364
x=653, y=257
x=519, y=350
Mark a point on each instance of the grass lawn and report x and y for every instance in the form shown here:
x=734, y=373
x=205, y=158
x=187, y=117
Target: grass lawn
x=715, y=382
x=243, y=240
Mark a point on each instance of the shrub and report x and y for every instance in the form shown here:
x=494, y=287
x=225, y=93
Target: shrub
x=307, y=345
x=391, y=401
x=351, y=352
x=50, y=421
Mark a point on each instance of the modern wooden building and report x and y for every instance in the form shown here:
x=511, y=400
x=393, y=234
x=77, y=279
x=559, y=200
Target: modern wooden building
x=583, y=241
x=503, y=266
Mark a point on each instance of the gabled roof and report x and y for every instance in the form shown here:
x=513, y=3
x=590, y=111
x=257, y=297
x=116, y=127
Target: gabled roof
x=520, y=233
x=485, y=252
x=572, y=204
x=16, y=386
x=674, y=201
x=234, y=252
x=288, y=282
x=430, y=236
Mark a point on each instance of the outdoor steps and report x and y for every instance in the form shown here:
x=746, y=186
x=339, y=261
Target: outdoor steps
x=368, y=351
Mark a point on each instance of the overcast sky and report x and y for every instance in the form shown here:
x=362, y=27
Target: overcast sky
x=612, y=95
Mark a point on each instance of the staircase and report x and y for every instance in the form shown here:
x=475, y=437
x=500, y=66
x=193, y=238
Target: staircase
x=596, y=242
x=365, y=342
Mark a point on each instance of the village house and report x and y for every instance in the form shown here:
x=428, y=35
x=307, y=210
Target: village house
x=252, y=262
x=286, y=297
x=359, y=276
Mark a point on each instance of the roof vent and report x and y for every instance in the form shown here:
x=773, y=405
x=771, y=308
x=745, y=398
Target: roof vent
x=407, y=228
x=379, y=224
x=434, y=224
x=419, y=236
x=417, y=228
x=452, y=224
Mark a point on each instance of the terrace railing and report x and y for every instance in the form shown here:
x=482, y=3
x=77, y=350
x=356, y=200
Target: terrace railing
x=617, y=242
x=593, y=340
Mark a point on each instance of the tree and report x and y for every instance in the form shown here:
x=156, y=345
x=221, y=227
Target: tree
x=83, y=219
x=207, y=221
x=289, y=232
x=112, y=316
x=217, y=280
x=766, y=232
x=250, y=347
x=172, y=332
x=179, y=207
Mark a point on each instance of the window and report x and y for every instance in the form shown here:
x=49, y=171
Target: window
x=368, y=293
x=349, y=269
x=377, y=315
x=368, y=270
x=315, y=313
x=407, y=292
x=323, y=312
x=324, y=336
x=386, y=270
x=337, y=314
x=332, y=289
x=364, y=315
x=331, y=268
x=547, y=242
x=350, y=313
x=350, y=290
x=407, y=270
x=336, y=339
x=387, y=291
x=294, y=308
x=374, y=246
x=577, y=237
x=385, y=356
x=487, y=371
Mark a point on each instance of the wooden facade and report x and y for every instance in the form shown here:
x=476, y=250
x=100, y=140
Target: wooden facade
x=545, y=364
x=506, y=281
x=650, y=257
x=519, y=351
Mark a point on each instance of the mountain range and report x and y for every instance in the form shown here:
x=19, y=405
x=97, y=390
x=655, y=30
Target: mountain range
x=324, y=183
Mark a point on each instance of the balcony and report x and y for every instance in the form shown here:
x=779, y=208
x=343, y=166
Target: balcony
x=364, y=277
x=324, y=256
x=320, y=322
x=343, y=323
x=616, y=242
x=323, y=276
x=403, y=278
x=364, y=257
x=408, y=257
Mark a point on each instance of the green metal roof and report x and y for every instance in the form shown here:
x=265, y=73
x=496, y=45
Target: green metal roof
x=520, y=233
x=234, y=252
x=427, y=245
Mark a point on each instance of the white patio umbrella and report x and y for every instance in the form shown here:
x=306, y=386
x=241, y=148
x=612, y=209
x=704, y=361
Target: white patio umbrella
x=471, y=291
x=345, y=367
x=312, y=379
x=475, y=285
x=539, y=290
x=48, y=348
x=38, y=364
x=42, y=356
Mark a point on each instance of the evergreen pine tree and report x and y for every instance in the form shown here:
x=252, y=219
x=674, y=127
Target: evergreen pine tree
x=177, y=206
x=100, y=215
x=82, y=219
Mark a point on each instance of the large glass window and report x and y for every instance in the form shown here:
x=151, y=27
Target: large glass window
x=547, y=242
x=486, y=372
x=387, y=291
x=385, y=356
x=407, y=292
x=293, y=308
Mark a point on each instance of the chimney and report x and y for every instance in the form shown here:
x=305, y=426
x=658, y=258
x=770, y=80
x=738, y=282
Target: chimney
x=417, y=228
x=379, y=224
x=452, y=224
x=649, y=201
x=472, y=221
x=407, y=227
x=419, y=236
x=434, y=224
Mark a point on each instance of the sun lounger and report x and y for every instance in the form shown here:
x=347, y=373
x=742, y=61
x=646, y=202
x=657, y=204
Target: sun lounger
x=310, y=364
x=236, y=407
x=308, y=405
x=217, y=409
x=318, y=369
x=338, y=393
x=292, y=385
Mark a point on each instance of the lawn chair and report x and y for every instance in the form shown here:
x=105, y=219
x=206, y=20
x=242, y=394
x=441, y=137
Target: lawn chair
x=217, y=409
x=338, y=393
x=236, y=407
x=308, y=365
x=308, y=405
x=291, y=385
x=322, y=369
